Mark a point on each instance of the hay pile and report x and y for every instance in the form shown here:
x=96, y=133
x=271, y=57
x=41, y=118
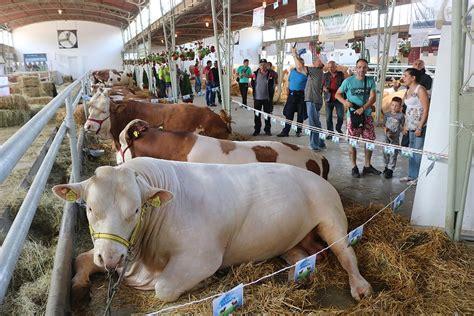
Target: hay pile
x=67, y=79
x=14, y=88
x=28, y=81
x=79, y=116
x=412, y=271
x=40, y=100
x=14, y=102
x=47, y=88
x=239, y=137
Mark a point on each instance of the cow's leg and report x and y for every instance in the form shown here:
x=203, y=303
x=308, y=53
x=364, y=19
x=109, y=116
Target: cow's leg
x=85, y=266
x=346, y=256
x=183, y=272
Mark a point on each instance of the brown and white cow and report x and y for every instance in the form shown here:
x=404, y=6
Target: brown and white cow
x=111, y=77
x=183, y=221
x=138, y=139
x=107, y=118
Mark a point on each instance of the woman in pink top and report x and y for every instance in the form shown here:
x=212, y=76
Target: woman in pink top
x=417, y=102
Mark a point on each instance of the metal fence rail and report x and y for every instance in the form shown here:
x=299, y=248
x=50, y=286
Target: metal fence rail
x=12, y=151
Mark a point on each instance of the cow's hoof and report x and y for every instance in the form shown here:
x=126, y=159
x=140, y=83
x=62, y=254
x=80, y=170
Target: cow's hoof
x=80, y=295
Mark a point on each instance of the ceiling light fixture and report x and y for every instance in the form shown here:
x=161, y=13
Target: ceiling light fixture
x=207, y=24
x=176, y=35
x=60, y=11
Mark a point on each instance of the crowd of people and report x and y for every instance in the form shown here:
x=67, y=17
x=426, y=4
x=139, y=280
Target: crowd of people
x=309, y=88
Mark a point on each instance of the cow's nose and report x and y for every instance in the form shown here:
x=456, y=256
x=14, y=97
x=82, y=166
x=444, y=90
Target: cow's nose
x=112, y=262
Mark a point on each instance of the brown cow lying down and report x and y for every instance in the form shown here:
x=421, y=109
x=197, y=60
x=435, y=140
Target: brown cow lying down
x=183, y=221
x=107, y=119
x=138, y=139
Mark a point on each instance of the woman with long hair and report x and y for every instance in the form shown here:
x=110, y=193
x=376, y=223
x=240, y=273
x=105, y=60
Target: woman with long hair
x=417, y=103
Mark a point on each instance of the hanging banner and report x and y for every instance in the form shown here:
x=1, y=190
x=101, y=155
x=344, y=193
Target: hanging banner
x=336, y=24
x=258, y=17
x=371, y=45
x=428, y=16
x=420, y=40
x=305, y=7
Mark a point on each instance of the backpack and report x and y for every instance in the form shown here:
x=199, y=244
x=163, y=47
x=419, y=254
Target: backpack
x=358, y=120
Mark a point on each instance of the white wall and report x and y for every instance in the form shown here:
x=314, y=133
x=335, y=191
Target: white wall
x=429, y=206
x=99, y=45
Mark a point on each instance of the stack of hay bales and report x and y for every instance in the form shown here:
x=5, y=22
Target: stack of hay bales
x=29, y=86
x=47, y=88
x=14, y=110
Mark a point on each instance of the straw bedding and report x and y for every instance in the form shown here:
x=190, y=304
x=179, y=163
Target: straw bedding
x=79, y=116
x=13, y=117
x=411, y=270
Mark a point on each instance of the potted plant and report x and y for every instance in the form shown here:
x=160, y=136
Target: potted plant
x=356, y=46
x=404, y=48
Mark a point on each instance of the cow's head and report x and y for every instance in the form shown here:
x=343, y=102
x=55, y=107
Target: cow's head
x=98, y=121
x=115, y=198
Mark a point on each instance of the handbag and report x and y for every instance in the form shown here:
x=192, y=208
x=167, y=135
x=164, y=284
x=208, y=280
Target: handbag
x=358, y=120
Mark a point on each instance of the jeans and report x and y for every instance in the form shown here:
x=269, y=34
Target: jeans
x=197, y=85
x=259, y=104
x=210, y=95
x=330, y=105
x=244, y=88
x=415, y=161
x=313, y=116
x=390, y=160
x=294, y=103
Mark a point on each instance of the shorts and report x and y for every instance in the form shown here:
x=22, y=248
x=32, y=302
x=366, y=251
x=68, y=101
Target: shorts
x=367, y=131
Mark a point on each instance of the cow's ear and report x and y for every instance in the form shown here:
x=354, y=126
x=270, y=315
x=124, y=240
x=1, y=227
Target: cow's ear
x=68, y=192
x=160, y=198
x=117, y=107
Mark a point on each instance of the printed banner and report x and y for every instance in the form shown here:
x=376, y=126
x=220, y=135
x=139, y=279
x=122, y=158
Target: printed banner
x=304, y=268
x=258, y=17
x=227, y=303
x=419, y=39
x=305, y=7
x=336, y=24
x=371, y=45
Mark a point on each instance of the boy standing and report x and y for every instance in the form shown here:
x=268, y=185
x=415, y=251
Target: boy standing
x=393, y=123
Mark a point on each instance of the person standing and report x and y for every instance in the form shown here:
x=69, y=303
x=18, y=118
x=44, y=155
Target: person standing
x=394, y=123
x=217, y=83
x=313, y=97
x=261, y=97
x=332, y=80
x=197, y=78
x=360, y=96
x=272, y=81
x=418, y=105
x=167, y=75
x=295, y=101
x=210, y=95
x=245, y=73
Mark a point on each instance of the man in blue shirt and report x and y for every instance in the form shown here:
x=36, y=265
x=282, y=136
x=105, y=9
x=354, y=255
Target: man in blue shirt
x=360, y=96
x=295, y=101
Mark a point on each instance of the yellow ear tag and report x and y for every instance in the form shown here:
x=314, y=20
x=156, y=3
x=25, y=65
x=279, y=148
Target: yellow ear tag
x=161, y=127
x=135, y=133
x=71, y=196
x=156, y=202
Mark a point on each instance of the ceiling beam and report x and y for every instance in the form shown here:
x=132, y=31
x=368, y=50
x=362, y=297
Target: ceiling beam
x=43, y=18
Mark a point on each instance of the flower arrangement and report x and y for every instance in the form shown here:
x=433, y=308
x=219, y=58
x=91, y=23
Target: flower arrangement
x=356, y=46
x=404, y=47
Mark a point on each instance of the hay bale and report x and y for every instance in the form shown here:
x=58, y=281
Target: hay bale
x=15, y=88
x=47, y=88
x=29, y=81
x=13, y=118
x=31, y=92
x=79, y=116
x=40, y=100
x=14, y=102
x=67, y=79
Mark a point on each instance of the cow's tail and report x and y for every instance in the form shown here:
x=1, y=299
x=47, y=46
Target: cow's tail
x=227, y=120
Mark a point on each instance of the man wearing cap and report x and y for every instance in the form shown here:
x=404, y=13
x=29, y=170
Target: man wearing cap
x=313, y=97
x=261, y=97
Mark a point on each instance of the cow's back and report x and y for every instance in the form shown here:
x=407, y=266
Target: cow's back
x=271, y=206
x=175, y=117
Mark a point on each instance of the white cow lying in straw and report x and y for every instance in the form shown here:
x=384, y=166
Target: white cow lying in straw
x=204, y=217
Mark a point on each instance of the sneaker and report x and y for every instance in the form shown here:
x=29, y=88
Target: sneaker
x=298, y=134
x=370, y=170
x=268, y=133
x=255, y=133
x=387, y=173
x=329, y=137
x=322, y=147
x=406, y=179
x=282, y=135
x=355, y=172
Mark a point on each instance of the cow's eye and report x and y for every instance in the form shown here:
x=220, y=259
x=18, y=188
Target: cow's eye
x=136, y=211
x=89, y=209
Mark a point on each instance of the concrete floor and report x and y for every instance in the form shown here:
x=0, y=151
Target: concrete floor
x=365, y=190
